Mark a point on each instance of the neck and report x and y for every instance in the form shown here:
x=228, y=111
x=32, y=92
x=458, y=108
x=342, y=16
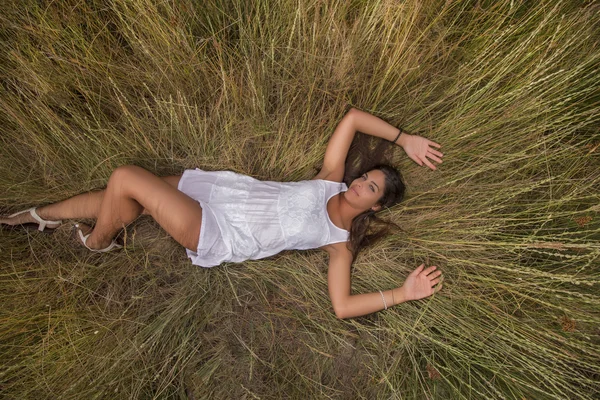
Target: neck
x=347, y=211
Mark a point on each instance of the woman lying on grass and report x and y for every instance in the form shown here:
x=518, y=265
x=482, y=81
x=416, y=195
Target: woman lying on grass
x=223, y=216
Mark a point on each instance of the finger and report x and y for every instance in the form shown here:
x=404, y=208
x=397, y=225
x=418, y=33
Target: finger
x=430, y=270
x=437, y=153
x=438, y=288
x=434, y=282
x=429, y=142
x=417, y=271
x=434, y=158
x=435, y=274
x=417, y=160
x=430, y=165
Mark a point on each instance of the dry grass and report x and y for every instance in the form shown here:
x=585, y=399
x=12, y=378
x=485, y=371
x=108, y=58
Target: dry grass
x=511, y=91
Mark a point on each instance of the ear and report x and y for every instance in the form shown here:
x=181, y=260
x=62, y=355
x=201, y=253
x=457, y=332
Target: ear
x=376, y=207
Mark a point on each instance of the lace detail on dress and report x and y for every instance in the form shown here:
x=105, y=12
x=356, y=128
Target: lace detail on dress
x=301, y=214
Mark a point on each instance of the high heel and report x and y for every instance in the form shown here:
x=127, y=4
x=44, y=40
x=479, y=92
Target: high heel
x=42, y=222
x=114, y=245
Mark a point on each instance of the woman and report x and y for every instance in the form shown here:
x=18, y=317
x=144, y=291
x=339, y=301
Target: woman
x=224, y=216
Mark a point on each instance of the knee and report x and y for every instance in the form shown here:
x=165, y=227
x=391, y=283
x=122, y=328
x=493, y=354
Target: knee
x=124, y=173
x=123, y=177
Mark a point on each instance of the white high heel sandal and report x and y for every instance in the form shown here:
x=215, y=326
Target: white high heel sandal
x=114, y=245
x=42, y=222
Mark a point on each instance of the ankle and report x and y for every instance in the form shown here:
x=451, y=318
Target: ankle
x=42, y=212
x=96, y=244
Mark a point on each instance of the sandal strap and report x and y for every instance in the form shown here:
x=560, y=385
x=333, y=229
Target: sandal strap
x=42, y=221
x=113, y=245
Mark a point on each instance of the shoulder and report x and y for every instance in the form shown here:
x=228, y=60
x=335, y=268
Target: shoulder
x=337, y=249
x=325, y=175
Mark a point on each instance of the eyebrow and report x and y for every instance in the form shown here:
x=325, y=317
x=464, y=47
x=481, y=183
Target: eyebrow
x=367, y=175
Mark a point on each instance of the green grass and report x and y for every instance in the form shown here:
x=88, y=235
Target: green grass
x=509, y=88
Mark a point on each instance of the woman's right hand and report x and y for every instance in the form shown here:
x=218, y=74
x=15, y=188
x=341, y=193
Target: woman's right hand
x=418, y=149
x=421, y=283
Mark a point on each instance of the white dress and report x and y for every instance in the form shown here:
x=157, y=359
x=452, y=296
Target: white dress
x=245, y=218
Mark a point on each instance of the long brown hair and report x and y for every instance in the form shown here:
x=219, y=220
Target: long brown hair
x=367, y=228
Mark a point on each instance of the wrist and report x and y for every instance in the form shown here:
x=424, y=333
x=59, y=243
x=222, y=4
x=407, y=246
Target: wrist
x=402, y=138
x=399, y=295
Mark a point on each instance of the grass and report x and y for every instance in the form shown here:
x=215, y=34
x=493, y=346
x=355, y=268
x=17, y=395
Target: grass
x=511, y=91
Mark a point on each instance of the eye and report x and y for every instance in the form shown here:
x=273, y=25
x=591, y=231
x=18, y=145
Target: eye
x=364, y=177
x=371, y=186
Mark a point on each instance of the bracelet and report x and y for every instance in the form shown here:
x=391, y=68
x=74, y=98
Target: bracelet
x=399, y=133
x=383, y=298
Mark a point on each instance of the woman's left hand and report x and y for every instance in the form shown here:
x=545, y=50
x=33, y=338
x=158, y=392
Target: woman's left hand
x=421, y=283
x=418, y=149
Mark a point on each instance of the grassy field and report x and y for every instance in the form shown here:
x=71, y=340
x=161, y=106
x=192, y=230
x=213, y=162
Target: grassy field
x=511, y=89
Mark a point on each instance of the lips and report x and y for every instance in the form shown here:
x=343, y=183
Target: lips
x=354, y=191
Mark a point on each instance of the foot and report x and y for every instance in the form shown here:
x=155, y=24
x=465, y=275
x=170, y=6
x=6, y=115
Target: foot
x=27, y=218
x=85, y=229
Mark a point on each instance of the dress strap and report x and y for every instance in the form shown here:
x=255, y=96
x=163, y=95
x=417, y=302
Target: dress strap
x=336, y=234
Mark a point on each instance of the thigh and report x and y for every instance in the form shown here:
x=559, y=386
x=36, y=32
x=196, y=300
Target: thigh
x=175, y=212
x=172, y=180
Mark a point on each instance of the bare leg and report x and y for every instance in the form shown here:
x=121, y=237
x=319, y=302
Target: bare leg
x=130, y=189
x=85, y=205
x=117, y=210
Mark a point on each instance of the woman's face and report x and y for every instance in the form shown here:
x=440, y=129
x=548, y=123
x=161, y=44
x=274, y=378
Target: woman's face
x=366, y=190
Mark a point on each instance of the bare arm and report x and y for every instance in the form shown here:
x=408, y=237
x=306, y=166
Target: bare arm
x=416, y=147
x=339, y=144
x=419, y=284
